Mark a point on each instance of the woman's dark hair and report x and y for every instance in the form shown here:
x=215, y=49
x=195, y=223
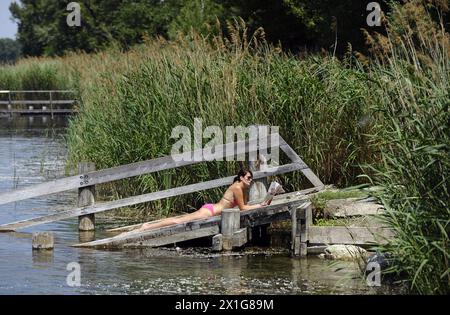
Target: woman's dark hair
x=242, y=172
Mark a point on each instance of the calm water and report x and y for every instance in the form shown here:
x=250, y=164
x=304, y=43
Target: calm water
x=32, y=150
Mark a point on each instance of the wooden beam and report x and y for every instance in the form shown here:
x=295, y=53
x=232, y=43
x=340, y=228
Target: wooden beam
x=239, y=237
x=349, y=235
x=124, y=171
x=296, y=195
x=130, y=201
x=176, y=238
x=141, y=236
x=86, y=197
x=286, y=148
x=268, y=214
x=295, y=236
x=229, y=223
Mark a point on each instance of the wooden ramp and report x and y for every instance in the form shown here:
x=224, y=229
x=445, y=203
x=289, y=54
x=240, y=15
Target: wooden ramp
x=76, y=212
x=197, y=228
x=155, y=165
x=86, y=181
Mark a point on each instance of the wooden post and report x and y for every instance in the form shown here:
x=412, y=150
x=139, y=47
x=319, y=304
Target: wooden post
x=301, y=219
x=43, y=240
x=304, y=231
x=86, y=236
x=51, y=104
x=9, y=103
x=217, y=243
x=258, y=188
x=295, y=235
x=86, y=197
x=230, y=223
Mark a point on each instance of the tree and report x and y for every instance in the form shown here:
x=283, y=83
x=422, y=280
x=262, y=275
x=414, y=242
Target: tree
x=43, y=29
x=310, y=24
x=197, y=15
x=10, y=50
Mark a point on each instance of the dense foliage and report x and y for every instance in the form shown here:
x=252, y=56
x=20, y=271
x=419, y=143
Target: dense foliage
x=296, y=24
x=10, y=50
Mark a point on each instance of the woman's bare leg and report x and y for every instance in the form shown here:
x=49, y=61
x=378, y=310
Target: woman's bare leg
x=199, y=214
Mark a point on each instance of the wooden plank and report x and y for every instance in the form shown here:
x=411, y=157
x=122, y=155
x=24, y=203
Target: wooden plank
x=140, y=236
x=126, y=171
x=176, y=238
x=239, y=237
x=349, y=235
x=296, y=195
x=312, y=177
x=295, y=237
x=130, y=201
x=269, y=214
x=316, y=250
x=286, y=148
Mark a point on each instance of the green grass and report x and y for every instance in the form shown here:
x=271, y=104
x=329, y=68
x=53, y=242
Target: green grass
x=332, y=222
x=35, y=74
x=320, y=200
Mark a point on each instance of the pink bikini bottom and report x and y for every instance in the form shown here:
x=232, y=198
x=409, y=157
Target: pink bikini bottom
x=210, y=207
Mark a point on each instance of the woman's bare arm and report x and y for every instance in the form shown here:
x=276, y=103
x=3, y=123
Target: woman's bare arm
x=240, y=200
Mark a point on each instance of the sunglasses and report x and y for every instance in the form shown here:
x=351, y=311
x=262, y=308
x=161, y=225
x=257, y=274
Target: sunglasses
x=248, y=177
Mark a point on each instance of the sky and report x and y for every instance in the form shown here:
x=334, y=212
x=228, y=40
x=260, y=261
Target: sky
x=7, y=27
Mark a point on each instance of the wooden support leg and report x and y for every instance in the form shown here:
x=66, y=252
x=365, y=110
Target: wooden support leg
x=295, y=236
x=303, y=238
x=217, y=243
x=300, y=221
x=230, y=223
x=86, y=197
x=305, y=222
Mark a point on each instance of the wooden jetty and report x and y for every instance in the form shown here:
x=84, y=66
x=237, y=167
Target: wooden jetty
x=231, y=229
x=51, y=106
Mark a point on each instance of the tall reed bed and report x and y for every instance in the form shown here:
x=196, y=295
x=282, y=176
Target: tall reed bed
x=35, y=74
x=412, y=132
x=132, y=101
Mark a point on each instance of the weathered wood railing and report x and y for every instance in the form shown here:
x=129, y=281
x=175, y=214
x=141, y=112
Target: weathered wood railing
x=52, y=101
x=87, y=179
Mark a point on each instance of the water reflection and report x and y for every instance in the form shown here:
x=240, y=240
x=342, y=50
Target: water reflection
x=42, y=258
x=86, y=236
